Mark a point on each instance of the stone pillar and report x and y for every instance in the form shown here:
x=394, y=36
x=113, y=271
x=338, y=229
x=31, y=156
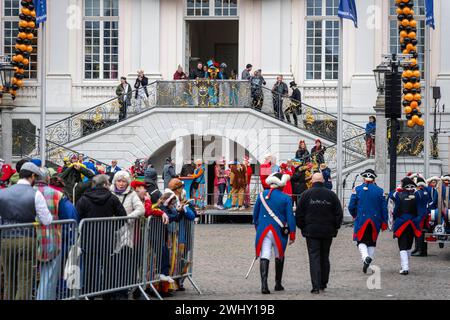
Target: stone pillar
x=381, y=148
x=6, y=108
x=150, y=38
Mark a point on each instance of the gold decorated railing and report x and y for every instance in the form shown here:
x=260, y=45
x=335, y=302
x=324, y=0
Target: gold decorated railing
x=55, y=152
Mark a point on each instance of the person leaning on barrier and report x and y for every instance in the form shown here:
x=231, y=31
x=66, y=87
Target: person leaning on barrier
x=150, y=209
x=21, y=204
x=99, y=202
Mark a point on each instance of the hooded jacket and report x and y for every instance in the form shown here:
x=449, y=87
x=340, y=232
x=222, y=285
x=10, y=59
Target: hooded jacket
x=99, y=203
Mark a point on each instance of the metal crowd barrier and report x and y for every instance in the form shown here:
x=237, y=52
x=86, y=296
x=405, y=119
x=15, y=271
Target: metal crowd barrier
x=100, y=257
x=33, y=258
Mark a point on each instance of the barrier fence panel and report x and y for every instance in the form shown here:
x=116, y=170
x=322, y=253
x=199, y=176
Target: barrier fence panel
x=33, y=260
x=112, y=255
x=171, y=249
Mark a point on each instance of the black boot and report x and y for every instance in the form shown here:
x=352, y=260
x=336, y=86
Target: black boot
x=416, y=246
x=422, y=247
x=264, y=270
x=279, y=265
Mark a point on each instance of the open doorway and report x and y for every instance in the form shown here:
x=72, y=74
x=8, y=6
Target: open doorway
x=216, y=39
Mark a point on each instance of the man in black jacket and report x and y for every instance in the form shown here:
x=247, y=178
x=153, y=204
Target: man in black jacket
x=319, y=216
x=99, y=202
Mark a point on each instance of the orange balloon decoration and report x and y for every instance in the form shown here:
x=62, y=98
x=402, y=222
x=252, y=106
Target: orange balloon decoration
x=408, y=109
x=409, y=97
x=414, y=105
x=410, y=123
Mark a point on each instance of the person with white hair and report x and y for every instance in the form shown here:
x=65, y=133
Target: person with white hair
x=368, y=208
x=275, y=228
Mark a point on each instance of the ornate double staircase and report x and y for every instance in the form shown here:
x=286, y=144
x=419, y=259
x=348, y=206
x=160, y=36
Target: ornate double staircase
x=206, y=94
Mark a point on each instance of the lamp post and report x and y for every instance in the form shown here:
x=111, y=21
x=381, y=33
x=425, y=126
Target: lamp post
x=6, y=106
x=381, y=132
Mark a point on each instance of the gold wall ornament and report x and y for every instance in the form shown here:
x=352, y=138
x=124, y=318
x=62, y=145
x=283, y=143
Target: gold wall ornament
x=309, y=118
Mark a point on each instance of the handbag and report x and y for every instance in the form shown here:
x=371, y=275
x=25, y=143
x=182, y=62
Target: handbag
x=284, y=228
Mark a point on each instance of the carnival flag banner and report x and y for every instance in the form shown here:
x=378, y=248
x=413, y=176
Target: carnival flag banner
x=347, y=10
x=41, y=11
x=429, y=12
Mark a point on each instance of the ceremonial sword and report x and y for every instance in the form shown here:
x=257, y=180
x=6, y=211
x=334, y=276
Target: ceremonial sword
x=251, y=267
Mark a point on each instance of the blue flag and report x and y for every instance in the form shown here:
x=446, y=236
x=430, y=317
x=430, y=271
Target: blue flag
x=429, y=13
x=347, y=10
x=41, y=10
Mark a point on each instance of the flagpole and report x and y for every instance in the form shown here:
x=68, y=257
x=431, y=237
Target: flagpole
x=428, y=102
x=43, y=141
x=340, y=105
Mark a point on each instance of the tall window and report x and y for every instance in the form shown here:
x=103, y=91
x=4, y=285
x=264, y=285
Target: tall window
x=205, y=8
x=101, y=39
x=10, y=21
x=322, y=39
x=419, y=16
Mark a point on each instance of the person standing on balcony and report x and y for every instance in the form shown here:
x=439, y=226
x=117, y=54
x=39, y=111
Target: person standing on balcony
x=198, y=73
x=179, y=74
x=246, y=73
x=370, y=136
x=279, y=90
x=141, y=94
x=256, y=83
x=124, y=93
x=233, y=88
x=295, y=104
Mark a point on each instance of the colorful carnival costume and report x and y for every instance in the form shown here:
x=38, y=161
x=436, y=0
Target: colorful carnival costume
x=368, y=207
x=200, y=183
x=275, y=225
x=408, y=214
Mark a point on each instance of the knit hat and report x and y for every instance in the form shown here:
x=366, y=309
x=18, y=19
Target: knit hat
x=136, y=184
x=369, y=175
x=277, y=180
x=6, y=172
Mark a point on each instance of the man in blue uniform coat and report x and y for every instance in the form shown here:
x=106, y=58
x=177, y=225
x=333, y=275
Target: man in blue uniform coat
x=428, y=200
x=275, y=227
x=368, y=207
x=408, y=214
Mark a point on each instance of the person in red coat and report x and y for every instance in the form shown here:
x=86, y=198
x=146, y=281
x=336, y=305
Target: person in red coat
x=265, y=170
x=285, y=169
x=141, y=191
x=249, y=173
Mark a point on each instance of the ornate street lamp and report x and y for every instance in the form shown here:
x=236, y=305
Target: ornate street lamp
x=6, y=105
x=6, y=75
x=380, y=76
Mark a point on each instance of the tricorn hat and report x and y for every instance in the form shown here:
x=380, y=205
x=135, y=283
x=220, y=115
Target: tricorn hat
x=408, y=183
x=433, y=178
x=292, y=84
x=277, y=180
x=369, y=175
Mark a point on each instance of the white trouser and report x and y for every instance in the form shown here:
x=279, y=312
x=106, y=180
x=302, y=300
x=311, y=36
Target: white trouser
x=404, y=260
x=366, y=251
x=268, y=243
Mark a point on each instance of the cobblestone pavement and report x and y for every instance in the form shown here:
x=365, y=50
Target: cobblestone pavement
x=224, y=253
